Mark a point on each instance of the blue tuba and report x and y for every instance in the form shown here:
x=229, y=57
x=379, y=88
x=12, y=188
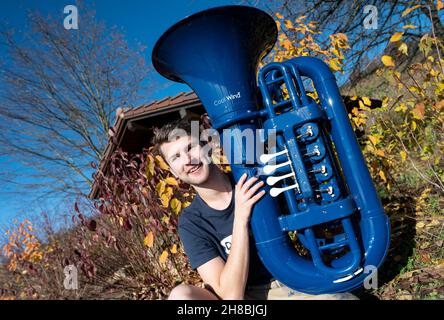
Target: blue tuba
x=320, y=227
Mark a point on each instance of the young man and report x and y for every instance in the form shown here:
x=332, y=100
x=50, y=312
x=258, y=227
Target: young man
x=215, y=229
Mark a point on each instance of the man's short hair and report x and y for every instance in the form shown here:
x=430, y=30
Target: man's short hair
x=170, y=131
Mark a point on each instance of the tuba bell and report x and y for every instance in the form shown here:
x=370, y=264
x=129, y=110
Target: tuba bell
x=319, y=190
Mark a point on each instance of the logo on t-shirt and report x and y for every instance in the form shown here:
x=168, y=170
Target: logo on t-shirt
x=226, y=243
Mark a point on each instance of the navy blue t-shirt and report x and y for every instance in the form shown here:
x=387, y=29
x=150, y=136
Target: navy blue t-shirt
x=206, y=234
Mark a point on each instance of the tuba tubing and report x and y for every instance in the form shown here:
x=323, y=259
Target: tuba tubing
x=295, y=271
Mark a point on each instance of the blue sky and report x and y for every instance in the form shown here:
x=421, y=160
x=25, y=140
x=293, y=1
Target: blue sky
x=140, y=20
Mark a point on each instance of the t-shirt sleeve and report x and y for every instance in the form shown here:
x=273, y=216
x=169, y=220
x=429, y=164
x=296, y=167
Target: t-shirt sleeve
x=198, y=249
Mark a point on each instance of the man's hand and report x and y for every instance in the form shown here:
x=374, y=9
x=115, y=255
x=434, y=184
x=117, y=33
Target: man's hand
x=246, y=197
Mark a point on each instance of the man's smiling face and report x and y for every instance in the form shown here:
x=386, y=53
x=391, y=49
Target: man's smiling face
x=187, y=160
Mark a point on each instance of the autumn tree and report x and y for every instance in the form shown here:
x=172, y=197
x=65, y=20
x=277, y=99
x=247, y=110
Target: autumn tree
x=58, y=95
x=368, y=25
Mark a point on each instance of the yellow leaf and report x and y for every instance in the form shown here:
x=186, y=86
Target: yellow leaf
x=163, y=257
x=174, y=249
x=288, y=24
x=149, y=240
x=380, y=153
x=373, y=139
x=161, y=163
x=366, y=101
x=287, y=44
x=420, y=225
x=342, y=36
x=335, y=65
x=186, y=204
x=382, y=175
x=413, y=125
x=396, y=36
x=169, y=191
x=433, y=223
x=403, y=48
x=439, y=5
x=387, y=61
x=353, y=98
x=166, y=219
x=176, y=205
x=403, y=155
x=408, y=10
x=279, y=16
x=150, y=167
x=166, y=196
x=165, y=200
x=160, y=187
x=402, y=107
x=361, y=105
x=409, y=26
x=171, y=181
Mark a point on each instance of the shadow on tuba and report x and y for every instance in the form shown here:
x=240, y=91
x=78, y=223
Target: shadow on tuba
x=319, y=191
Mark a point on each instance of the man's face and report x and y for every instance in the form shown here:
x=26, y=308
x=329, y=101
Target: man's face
x=187, y=160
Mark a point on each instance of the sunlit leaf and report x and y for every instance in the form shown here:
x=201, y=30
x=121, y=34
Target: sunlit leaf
x=176, y=205
x=402, y=107
x=171, y=181
x=382, y=175
x=150, y=167
x=149, y=240
x=161, y=163
x=174, y=249
x=335, y=65
x=160, y=187
x=408, y=10
x=166, y=219
x=403, y=48
x=288, y=24
x=380, y=153
x=165, y=200
x=403, y=155
x=166, y=197
x=366, y=101
x=186, y=204
x=342, y=37
x=396, y=36
x=409, y=26
x=373, y=139
x=387, y=61
x=163, y=257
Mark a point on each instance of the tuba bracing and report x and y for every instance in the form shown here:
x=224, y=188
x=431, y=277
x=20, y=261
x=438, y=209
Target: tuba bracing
x=319, y=190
